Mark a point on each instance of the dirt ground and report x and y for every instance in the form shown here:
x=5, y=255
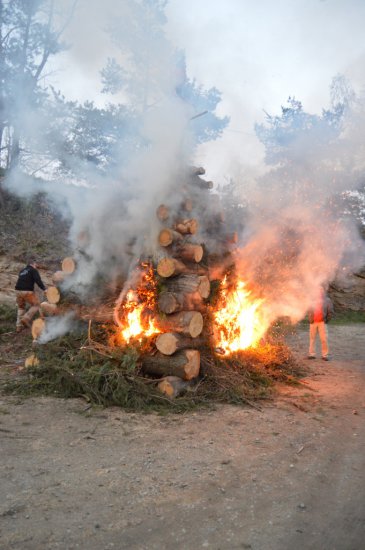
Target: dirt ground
x=289, y=476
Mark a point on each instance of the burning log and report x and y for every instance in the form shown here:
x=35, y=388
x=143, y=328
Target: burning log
x=168, y=236
x=189, y=323
x=48, y=309
x=170, y=302
x=168, y=267
x=170, y=342
x=190, y=283
x=187, y=227
x=163, y=212
x=172, y=386
x=53, y=295
x=184, y=364
x=68, y=265
x=191, y=252
x=37, y=328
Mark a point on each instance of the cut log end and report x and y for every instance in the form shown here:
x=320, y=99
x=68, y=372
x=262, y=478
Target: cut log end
x=167, y=343
x=68, y=265
x=53, y=295
x=37, y=328
x=162, y=212
x=58, y=277
x=172, y=386
x=167, y=267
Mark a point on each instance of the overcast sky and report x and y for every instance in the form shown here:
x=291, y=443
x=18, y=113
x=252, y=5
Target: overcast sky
x=256, y=52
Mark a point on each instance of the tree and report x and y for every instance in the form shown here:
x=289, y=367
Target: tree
x=152, y=70
x=29, y=38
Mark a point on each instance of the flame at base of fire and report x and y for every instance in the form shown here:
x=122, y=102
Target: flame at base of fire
x=239, y=319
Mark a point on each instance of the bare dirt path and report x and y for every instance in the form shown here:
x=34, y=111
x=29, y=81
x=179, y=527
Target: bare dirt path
x=291, y=476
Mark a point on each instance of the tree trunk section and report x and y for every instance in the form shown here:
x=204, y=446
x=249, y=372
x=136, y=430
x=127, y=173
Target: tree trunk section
x=189, y=323
x=185, y=364
x=187, y=227
x=191, y=252
x=53, y=295
x=37, y=328
x=170, y=342
x=168, y=236
x=189, y=284
x=172, y=386
x=168, y=267
x=68, y=265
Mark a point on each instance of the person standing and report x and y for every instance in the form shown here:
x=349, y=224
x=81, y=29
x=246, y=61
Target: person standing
x=26, y=299
x=319, y=316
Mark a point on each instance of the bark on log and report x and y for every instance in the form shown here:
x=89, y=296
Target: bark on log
x=189, y=323
x=163, y=212
x=185, y=364
x=68, y=265
x=191, y=252
x=53, y=295
x=171, y=302
x=170, y=342
x=189, y=284
x=49, y=310
x=187, y=227
x=37, y=328
x=168, y=236
x=173, y=386
x=168, y=267
x=200, y=183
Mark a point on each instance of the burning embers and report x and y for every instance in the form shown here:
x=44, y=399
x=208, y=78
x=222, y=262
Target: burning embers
x=239, y=319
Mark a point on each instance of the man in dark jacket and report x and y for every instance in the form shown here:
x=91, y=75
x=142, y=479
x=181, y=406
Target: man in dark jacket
x=319, y=316
x=26, y=298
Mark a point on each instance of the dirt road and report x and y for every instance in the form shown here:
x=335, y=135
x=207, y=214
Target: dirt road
x=289, y=477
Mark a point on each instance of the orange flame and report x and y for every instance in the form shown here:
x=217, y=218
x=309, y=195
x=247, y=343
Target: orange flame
x=239, y=319
x=135, y=315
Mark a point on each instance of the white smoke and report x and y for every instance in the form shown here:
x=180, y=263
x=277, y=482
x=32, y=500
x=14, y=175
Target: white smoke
x=56, y=327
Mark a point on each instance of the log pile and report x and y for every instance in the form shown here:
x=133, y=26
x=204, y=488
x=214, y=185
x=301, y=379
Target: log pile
x=192, y=224
x=193, y=243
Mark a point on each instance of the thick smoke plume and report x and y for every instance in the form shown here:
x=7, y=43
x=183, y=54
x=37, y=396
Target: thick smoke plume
x=297, y=237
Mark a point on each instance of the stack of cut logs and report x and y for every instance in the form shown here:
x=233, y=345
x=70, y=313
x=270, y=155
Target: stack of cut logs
x=193, y=246
x=183, y=264
x=51, y=307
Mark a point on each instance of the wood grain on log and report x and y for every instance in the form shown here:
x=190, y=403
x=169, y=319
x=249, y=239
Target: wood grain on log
x=173, y=386
x=170, y=342
x=184, y=364
x=190, y=283
x=187, y=227
x=191, y=252
x=68, y=265
x=168, y=236
x=189, y=323
x=168, y=267
x=168, y=302
x=53, y=295
x=37, y=328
